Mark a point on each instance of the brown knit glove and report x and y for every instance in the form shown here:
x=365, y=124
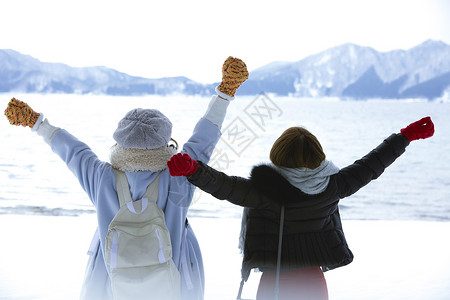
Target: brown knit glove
x=19, y=113
x=234, y=73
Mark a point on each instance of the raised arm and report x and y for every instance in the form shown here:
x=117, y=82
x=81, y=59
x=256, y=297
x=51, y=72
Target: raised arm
x=207, y=131
x=20, y=113
x=78, y=156
x=350, y=179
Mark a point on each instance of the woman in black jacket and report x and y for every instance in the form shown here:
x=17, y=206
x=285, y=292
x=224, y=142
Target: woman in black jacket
x=296, y=196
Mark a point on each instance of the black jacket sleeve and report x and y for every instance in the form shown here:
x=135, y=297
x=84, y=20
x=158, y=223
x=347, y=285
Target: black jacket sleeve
x=350, y=179
x=235, y=189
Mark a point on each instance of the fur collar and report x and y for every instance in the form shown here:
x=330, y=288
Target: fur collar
x=133, y=160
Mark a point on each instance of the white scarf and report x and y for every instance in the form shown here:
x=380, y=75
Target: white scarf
x=133, y=160
x=309, y=181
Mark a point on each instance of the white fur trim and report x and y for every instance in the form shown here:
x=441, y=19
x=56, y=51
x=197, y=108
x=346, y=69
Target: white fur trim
x=133, y=160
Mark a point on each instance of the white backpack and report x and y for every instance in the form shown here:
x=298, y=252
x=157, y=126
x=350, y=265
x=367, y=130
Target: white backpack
x=138, y=248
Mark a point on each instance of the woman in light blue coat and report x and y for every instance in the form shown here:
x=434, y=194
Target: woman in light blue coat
x=142, y=152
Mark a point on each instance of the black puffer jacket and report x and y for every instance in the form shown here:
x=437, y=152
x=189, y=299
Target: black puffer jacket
x=312, y=234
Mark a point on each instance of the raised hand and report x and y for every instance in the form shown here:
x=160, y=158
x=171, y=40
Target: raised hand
x=19, y=113
x=234, y=73
x=182, y=165
x=422, y=129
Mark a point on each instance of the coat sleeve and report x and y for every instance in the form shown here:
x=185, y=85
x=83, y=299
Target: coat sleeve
x=207, y=131
x=203, y=140
x=351, y=178
x=80, y=160
x=235, y=189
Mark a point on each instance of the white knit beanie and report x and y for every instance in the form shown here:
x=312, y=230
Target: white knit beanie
x=143, y=129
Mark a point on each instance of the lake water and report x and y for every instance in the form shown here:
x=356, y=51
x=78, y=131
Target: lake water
x=33, y=180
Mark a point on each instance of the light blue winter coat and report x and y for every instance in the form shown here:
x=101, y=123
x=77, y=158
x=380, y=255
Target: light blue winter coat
x=97, y=178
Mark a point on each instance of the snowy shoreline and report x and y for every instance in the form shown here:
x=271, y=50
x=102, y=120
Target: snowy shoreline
x=45, y=258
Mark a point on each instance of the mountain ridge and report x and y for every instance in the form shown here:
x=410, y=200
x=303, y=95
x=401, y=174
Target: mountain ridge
x=347, y=71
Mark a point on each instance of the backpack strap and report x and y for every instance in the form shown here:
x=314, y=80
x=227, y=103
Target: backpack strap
x=123, y=189
x=152, y=190
x=280, y=243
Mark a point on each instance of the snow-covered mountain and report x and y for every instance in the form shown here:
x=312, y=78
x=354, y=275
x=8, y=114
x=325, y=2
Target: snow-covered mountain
x=353, y=71
x=346, y=71
x=24, y=73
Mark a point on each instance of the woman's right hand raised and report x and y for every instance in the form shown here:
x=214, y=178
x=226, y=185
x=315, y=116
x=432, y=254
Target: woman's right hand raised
x=234, y=73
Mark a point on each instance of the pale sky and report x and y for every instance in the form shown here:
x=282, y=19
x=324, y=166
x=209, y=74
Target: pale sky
x=192, y=38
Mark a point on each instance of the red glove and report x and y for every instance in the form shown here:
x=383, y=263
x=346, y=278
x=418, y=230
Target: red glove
x=422, y=129
x=182, y=165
